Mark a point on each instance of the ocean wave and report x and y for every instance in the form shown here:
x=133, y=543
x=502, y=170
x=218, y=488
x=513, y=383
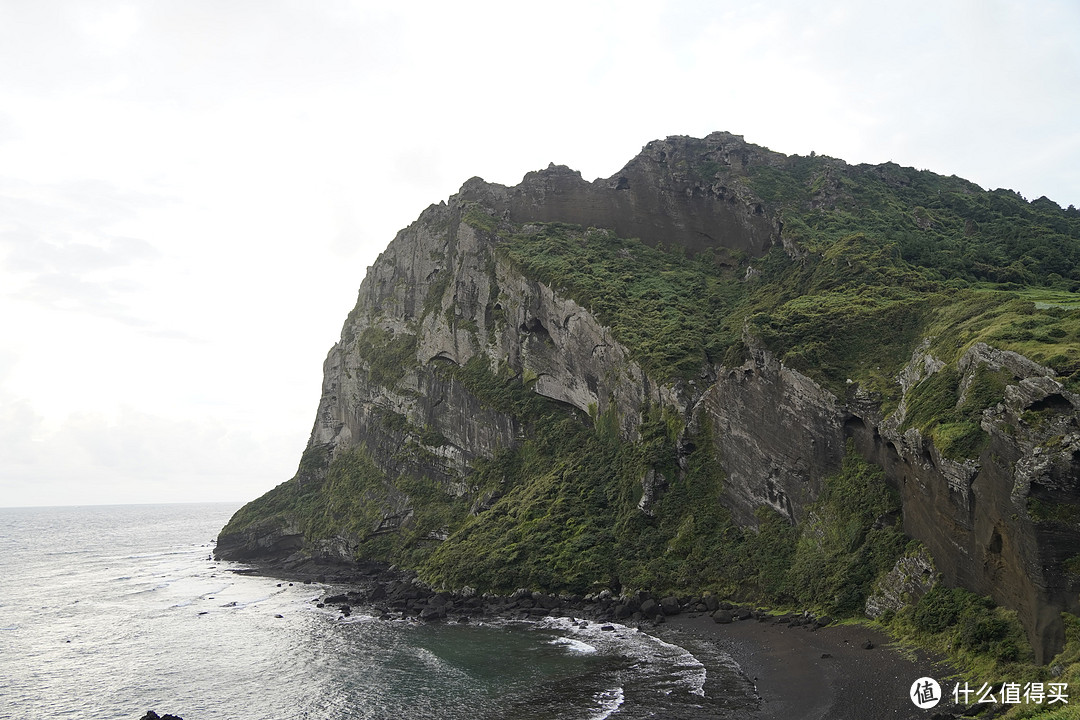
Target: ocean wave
x=671, y=667
x=146, y=590
x=353, y=619
x=688, y=668
x=609, y=701
x=574, y=645
x=151, y=555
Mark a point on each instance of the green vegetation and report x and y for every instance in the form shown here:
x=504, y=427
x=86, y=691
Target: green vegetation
x=389, y=355
x=674, y=313
x=849, y=539
x=567, y=518
x=888, y=243
x=351, y=499
x=856, y=311
x=300, y=496
x=1045, y=511
x=950, y=417
x=981, y=640
x=987, y=645
x=947, y=226
x=437, y=289
x=476, y=217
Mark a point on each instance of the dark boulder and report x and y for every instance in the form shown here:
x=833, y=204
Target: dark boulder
x=547, y=601
x=722, y=616
x=433, y=612
x=670, y=605
x=650, y=608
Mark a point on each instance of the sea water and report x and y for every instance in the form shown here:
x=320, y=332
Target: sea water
x=107, y=612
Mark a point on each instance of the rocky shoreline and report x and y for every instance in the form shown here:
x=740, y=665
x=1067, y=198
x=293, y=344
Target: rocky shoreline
x=391, y=593
x=794, y=660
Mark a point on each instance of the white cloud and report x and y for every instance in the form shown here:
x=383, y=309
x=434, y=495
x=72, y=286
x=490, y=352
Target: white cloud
x=136, y=457
x=190, y=191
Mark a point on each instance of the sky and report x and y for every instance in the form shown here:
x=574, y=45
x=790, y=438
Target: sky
x=191, y=191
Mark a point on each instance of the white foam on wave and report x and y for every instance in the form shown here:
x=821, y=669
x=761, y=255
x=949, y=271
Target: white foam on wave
x=214, y=592
x=353, y=619
x=433, y=663
x=609, y=701
x=574, y=646
x=690, y=669
x=676, y=661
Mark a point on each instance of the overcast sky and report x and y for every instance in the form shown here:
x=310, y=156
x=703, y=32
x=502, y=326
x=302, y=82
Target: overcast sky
x=190, y=192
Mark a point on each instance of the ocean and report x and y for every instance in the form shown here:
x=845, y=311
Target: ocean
x=109, y=611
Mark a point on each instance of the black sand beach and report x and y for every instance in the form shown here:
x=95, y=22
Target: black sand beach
x=825, y=673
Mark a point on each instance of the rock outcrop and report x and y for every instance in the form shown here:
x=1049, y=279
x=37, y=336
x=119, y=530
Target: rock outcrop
x=442, y=297
x=913, y=576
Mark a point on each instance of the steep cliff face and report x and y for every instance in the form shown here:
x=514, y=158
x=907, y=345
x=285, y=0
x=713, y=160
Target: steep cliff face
x=669, y=194
x=980, y=518
x=446, y=300
x=778, y=435
x=450, y=313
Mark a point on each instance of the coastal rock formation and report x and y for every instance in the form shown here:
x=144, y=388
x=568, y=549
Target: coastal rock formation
x=912, y=577
x=446, y=308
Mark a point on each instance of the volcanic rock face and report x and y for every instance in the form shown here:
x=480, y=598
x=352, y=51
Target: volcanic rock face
x=658, y=197
x=976, y=517
x=449, y=299
x=778, y=431
x=440, y=296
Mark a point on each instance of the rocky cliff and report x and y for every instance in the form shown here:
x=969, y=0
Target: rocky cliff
x=606, y=382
